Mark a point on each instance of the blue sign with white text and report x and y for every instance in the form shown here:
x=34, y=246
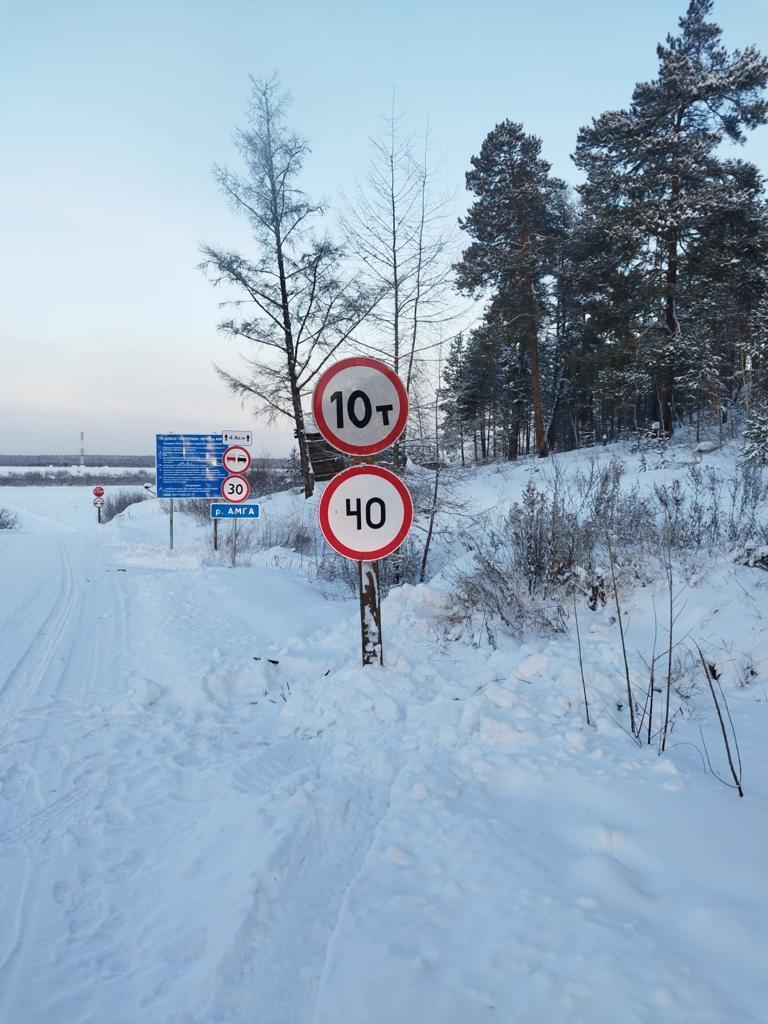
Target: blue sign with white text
x=223, y=510
x=189, y=465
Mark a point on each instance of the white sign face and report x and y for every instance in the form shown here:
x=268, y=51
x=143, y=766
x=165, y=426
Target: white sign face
x=98, y=502
x=360, y=406
x=236, y=459
x=237, y=437
x=366, y=512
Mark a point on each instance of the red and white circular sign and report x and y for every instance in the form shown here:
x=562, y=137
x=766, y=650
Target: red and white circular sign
x=360, y=406
x=235, y=488
x=98, y=491
x=236, y=459
x=366, y=513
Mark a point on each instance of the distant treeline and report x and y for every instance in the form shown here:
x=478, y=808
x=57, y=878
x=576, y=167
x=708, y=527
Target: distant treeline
x=74, y=460
x=61, y=478
x=134, y=461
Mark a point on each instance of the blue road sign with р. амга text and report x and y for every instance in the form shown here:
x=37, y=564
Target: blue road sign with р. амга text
x=189, y=465
x=223, y=510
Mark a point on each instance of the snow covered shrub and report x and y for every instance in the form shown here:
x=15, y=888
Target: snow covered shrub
x=118, y=502
x=237, y=542
x=495, y=589
x=711, y=510
x=297, y=532
x=402, y=567
x=8, y=521
x=198, y=508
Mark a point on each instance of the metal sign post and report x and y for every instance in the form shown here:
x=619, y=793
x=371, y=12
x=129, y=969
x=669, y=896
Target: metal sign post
x=370, y=613
x=360, y=407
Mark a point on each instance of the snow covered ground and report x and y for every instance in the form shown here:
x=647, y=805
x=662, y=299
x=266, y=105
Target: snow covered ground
x=210, y=814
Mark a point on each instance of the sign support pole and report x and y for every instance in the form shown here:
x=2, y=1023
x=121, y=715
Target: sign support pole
x=98, y=513
x=170, y=523
x=370, y=613
x=215, y=534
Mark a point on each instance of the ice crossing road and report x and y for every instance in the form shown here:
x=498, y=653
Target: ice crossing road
x=122, y=811
x=62, y=639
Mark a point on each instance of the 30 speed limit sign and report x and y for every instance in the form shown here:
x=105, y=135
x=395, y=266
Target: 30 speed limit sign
x=360, y=406
x=235, y=488
x=366, y=513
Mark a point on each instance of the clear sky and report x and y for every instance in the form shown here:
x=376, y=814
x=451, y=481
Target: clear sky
x=112, y=114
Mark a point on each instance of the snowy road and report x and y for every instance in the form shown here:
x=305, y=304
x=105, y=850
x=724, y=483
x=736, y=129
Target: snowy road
x=191, y=834
x=122, y=818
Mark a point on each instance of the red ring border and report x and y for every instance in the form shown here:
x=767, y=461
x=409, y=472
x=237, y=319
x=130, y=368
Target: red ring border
x=325, y=430
x=333, y=486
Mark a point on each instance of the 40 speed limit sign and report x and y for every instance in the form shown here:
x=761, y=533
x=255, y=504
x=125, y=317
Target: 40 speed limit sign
x=360, y=406
x=366, y=513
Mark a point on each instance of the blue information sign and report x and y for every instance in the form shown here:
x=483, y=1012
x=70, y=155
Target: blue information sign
x=189, y=465
x=223, y=510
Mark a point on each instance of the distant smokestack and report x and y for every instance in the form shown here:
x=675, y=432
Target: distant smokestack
x=82, y=447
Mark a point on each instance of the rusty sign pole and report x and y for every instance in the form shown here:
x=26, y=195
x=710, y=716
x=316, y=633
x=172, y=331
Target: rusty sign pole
x=370, y=613
x=370, y=602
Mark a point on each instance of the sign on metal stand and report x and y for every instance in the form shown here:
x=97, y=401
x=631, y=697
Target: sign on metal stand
x=98, y=502
x=360, y=407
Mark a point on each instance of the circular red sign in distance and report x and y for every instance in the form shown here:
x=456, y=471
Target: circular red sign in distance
x=239, y=469
x=98, y=490
x=322, y=424
x=242, y=480
x=325, y=524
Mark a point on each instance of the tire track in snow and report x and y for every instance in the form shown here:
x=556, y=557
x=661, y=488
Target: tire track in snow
x=74, y=617
x=28, y=672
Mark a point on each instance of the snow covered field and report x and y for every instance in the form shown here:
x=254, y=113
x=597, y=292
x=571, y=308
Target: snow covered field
x=192, y=833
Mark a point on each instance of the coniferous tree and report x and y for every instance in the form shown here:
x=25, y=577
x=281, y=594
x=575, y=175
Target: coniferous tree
x=514, y=222
x=654, y=173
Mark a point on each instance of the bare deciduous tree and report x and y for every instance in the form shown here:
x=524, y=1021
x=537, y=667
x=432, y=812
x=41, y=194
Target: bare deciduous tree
x=396, y=225
x=297, y=308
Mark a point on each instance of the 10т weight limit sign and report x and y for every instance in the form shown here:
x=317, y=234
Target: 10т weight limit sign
x=360, y=406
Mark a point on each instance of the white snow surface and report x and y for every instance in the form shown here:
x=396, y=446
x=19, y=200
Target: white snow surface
x=189, y=835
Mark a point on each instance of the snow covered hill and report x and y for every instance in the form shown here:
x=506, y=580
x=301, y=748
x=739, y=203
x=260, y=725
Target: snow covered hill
x=210, y=814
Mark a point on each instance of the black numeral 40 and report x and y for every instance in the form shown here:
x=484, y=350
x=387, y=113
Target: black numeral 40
x=375, y=512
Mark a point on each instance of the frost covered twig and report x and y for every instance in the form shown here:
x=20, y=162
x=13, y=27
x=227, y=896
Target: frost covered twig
x=630, y=698
x=581, y=661
x=736, y=773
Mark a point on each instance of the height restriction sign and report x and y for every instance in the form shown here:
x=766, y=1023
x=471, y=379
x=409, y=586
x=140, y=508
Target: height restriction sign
x=366, y=513
x=360, y=406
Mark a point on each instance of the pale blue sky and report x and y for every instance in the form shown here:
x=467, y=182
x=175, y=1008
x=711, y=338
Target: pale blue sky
x=112, y=115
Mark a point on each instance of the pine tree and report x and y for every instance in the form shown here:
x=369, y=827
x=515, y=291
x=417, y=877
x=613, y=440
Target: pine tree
x=654, y=174
x=514, y=222
x=756, y=435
